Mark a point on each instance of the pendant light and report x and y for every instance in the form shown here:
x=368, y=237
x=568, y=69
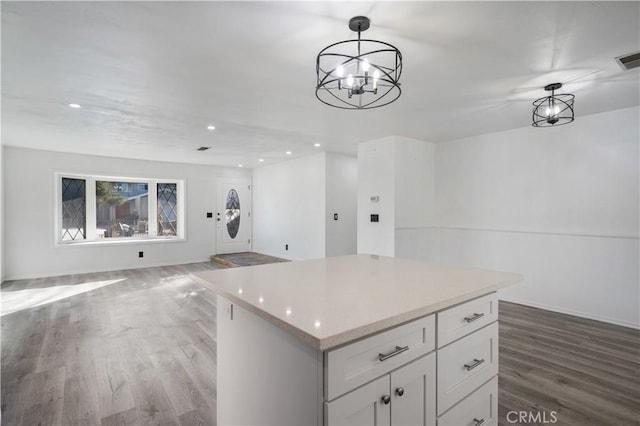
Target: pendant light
x=358, y=74
x=553, y=110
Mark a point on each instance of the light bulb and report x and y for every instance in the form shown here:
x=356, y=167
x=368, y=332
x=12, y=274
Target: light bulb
x=552, y=109
x=376, y=76
x=365, y=66
x=350, y=80
x=340, y=71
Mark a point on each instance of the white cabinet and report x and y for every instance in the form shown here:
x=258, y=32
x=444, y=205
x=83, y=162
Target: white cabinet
x=404, y=375
x=360, y=362
x=461, y=320
x=405, y=396
x=466, y=364
x=413, y=388
x=478, y=409
x=364, y=406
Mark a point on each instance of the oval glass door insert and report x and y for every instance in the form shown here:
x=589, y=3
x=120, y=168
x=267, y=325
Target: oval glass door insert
x=233, y=213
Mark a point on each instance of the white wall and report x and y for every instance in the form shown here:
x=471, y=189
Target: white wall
x=376, y=177
x=289, y=208
x=342, y=193
x=559, y=205
x=400, y=171
x=1, y=214
x=29, y=214
x=415, y=183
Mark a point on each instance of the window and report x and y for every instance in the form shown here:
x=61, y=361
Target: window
x=74, y=221
x=232, y=213
x=167, y=209
x=112, y=209
x=121, y=212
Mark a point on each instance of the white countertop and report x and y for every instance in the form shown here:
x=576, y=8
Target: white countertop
x=331, y=301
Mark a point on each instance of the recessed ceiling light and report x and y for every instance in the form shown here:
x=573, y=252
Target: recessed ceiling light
x=240, y=165
x=261, y=159
x=75, y=106
x=210, y=127
x=288, y=152
x=316, y=145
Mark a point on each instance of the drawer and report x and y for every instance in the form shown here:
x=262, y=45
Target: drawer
x=478, y=409
x=465, y=365
x=466, y=318
x=357, y=363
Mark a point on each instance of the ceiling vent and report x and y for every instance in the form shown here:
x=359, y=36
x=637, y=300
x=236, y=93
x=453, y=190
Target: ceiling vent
x=629, y=61
x=203, y=148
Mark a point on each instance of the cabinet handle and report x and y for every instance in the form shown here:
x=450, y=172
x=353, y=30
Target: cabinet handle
x=473, y=317
x=396, y=351
x=386, y=399
x=478, y=422
x=476, y=362
x=400, y=391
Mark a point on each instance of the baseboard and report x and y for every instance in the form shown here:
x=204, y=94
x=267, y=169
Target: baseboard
x=570, y=312
x=106, y=269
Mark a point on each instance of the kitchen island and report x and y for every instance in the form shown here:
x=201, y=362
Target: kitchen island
x=357, y=339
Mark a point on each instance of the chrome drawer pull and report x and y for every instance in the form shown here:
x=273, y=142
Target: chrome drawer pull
x=396, y=351
x=473, y=318
x=476, y=362
x=478, y=422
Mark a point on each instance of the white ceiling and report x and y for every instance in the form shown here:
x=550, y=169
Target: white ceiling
x=152, y=75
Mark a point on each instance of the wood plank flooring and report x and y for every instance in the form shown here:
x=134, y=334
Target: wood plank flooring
x=586, y=372
x=142, y=350
x=139, y=351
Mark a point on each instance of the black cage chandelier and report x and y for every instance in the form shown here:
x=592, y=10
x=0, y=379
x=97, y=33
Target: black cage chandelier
x=554, y=110
x=358, y=74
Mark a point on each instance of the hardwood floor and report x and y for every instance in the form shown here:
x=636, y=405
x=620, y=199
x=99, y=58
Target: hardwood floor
x=140, y=350
x=586, y=372
x=139, y=347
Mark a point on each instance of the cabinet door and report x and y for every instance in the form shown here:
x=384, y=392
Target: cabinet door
x=413, y=393
x=363, y=406
x=465, y=365
x=479, y=408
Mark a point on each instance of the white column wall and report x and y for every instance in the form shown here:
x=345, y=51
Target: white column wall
x=376, y=177
x=1, y=213
x=414, y=183
x=401, y=172
x=342, y=196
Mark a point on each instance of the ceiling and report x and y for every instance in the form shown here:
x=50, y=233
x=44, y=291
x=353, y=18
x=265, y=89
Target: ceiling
x=150, y=76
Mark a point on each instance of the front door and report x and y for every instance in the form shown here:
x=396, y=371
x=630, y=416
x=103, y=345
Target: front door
x=233, y=215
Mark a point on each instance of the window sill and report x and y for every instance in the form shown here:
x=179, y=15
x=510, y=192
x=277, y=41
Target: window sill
x=121, y=241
